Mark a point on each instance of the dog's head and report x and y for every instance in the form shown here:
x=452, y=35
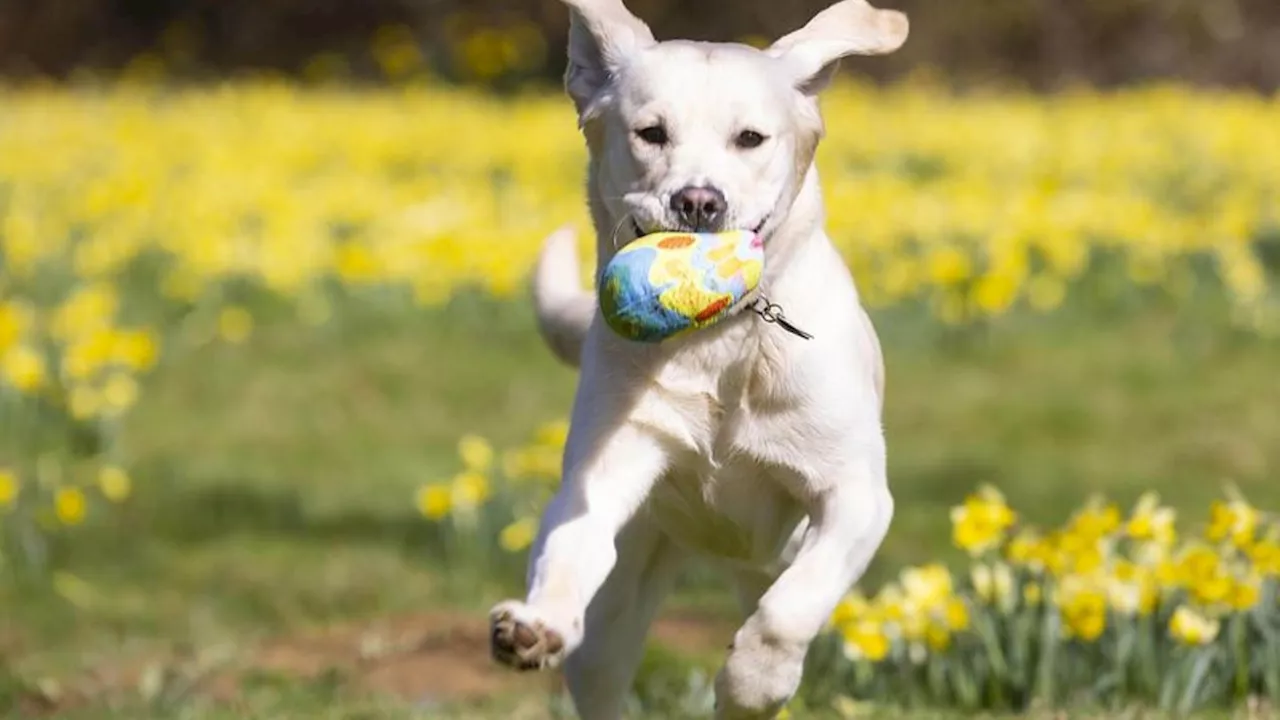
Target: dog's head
x=706, y=136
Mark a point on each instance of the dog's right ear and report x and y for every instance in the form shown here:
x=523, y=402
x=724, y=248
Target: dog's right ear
x=603, y=34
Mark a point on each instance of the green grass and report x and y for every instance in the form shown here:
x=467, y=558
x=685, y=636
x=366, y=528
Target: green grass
x=275, y=480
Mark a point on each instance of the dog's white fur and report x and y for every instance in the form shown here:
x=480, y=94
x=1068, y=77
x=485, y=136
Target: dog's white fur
x=742, y=441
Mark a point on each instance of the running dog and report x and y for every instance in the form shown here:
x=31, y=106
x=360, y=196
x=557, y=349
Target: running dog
x=744, y=441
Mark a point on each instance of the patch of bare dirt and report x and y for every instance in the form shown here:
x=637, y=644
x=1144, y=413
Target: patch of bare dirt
x=441, y=656
x=692, y=633
x=434, y=656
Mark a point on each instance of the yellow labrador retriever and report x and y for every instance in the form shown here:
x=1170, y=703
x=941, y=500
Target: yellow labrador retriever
x=747, y=442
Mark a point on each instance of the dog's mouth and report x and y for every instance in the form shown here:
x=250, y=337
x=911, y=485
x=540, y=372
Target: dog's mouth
x=639, y=231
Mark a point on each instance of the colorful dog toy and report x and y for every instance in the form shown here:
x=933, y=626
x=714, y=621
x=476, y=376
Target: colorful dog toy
x=665, y=284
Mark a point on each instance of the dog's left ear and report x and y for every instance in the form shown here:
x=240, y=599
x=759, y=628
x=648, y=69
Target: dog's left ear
x=603, y=34
x=850, y=27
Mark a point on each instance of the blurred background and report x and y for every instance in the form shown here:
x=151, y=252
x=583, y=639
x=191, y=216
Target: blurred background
x=1039, y=43
x=276, y=427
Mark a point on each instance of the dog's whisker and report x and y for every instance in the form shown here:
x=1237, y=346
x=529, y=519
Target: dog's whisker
x=613, y=238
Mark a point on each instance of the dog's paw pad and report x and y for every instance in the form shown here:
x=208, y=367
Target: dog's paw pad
x=523, y=645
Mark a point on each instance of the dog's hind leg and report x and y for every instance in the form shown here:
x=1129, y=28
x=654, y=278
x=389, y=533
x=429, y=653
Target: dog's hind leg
x=600, y=672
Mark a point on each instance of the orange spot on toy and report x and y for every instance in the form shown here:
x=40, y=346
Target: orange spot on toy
x=676, y=242
x=711, y=310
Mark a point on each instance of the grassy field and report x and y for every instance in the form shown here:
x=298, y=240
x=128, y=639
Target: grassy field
x=246, y=329
x=275, y=484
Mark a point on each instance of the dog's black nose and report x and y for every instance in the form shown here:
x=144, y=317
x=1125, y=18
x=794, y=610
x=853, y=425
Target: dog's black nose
x=700, y=208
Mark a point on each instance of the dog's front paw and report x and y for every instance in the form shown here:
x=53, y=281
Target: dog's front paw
x=522, y=642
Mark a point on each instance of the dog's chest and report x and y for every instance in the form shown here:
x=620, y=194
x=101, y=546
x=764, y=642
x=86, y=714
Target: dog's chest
x=734, y=512
x=720, y=497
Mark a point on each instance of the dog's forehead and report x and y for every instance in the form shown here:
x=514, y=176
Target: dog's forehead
x=688, y=72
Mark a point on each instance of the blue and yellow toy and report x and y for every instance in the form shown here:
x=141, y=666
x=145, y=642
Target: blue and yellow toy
x=670, y=283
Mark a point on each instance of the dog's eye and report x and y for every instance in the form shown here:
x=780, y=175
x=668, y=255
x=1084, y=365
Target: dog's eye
x=748, y=139
x=654, y=135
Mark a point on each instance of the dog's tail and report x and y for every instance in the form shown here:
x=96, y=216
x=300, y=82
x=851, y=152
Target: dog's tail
x=564, y=309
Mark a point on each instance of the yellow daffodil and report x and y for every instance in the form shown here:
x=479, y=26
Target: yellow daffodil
x=90, y=308
x=1236, y=521
x=70, y=505
x=1265, y=556
x=993, y=583
x=16, y=319
x=9, y=488
x=435, y=501
x=1245, y=593
x=891, y=602
x=1152, y=522
x=553, y=434
x=929, y=585
x=937, y=637
x=851, y=607
x=470, y=490
x=476, y=453
x=120, y=392
x=1027, y=549
x=1192, y=628
x=1082, y=605
x=865, y=640
x=23, y=368
x=1201, y=571
x=981, y=522
x=518, y=535
x=136, y=350
x=1098, y=519
x=114, y=483
x=956, y=615
x=995, y=293
x=1132, y=589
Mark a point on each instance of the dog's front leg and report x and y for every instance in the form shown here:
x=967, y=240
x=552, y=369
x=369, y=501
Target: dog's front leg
x=848, y=521
x=609, y=470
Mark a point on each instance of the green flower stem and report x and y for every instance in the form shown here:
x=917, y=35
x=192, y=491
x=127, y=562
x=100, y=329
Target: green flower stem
x=1240, y=650
x=1046, y=690
x=1199, y=672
